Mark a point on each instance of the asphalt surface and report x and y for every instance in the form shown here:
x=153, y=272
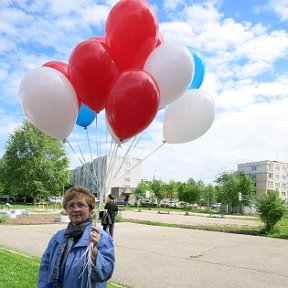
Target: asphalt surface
x=156, y=257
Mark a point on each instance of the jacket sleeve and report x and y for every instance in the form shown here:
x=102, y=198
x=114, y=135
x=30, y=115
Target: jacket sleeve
x=105, y=259
x=43, y=275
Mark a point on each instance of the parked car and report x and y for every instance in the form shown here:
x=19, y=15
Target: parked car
x=184, y=205
x=216, y=205
x=147, y=203
x=172, y=204
x=122, y=202
x=55, y=199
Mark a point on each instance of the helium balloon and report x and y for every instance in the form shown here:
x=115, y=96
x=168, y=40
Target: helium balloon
x=85, y=116
x=132, y=103
x=172, y=66
x=58, y=65
x=131, y=33
x=49, y=101
x=189, y=117
x=91, y=72
x=199, y=70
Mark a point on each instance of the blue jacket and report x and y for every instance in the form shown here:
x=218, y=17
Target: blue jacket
x=101, y=273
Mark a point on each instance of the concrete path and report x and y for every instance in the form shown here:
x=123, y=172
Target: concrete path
x=160, y=257
x=192, y=219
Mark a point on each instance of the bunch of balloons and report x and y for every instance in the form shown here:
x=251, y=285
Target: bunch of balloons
x=131, y=73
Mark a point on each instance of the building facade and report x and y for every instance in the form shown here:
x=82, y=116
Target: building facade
x=267, y=175
x=105, y=173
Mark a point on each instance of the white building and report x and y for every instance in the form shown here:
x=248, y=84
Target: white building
x=267, y=175
x=106, y=172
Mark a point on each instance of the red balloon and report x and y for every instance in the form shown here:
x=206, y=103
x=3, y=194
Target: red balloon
x=132, y=103
x=58, y=65
x=131, y=33
x=91, y=72
x=101, y=39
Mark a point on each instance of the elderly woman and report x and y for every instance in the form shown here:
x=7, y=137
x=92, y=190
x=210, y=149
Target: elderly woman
x=64, y=263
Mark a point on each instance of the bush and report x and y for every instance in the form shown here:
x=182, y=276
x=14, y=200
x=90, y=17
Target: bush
x=119, y=218
x=4, y=218
x=271, y=208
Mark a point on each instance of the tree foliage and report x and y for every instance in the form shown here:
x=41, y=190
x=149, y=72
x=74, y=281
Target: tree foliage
x=189, y=192
x=34, y=164
x=158, y=189
x=140, y=191
x=231, y=184
x=271, y=208
x=208, y=194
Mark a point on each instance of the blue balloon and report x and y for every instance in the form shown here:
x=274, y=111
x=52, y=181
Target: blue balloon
x=85, y=116
x=199, y=70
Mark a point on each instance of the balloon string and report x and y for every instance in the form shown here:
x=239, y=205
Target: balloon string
x=123, y=159
x=89, y=144
x=83, y=164
x=144, y=159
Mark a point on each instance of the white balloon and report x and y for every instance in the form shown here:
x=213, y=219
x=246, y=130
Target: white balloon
x=49, y=101
x=172, y=66
x=189, y=117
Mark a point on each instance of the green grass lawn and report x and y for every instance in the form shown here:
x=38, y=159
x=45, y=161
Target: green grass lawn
x=20, y=271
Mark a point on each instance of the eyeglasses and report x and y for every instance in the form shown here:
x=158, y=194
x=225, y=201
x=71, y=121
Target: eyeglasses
x=79, y=205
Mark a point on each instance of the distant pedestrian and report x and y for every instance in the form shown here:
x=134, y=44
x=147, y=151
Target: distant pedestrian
x=110, y=212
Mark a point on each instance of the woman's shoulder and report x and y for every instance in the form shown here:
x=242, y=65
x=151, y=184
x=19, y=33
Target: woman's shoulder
x=59, y=235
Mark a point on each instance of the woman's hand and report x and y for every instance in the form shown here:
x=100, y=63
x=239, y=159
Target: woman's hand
x=94, y=239
x=95, y=235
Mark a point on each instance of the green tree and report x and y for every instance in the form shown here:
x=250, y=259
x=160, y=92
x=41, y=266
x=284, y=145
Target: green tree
x=271, y=208
x=157, y=186
x=189, y=192
x=2, y=178
x=171, y=190
x=140, y=191
x=208, y=194
x=35, y=164
x=231, y=184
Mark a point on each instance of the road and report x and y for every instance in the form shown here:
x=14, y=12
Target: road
x=162, y=257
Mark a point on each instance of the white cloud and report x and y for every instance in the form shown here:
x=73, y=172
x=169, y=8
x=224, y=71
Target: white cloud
x=280, y=7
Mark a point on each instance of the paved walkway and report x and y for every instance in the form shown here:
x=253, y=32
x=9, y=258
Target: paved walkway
x=192, y=219
x=161, y=257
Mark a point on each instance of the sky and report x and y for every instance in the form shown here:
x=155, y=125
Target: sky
x=245, y=48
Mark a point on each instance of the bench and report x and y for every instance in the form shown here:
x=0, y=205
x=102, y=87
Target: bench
x=163, y=212
x=215, y=215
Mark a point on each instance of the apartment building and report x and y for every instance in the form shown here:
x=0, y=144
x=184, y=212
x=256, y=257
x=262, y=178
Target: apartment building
x=106, y=172
x=267, y=175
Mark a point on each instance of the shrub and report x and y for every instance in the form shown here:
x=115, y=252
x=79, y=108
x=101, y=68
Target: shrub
x=271, y=208
x=4, y=218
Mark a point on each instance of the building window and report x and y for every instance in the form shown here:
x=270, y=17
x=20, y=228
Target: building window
x=277, y=168
x=283, y=168
x=277, y=185
x=283, y=194
x=284, y=177
x=270, y=184
x=283, y=186
x=127, y=172
x=270, y=175
x=127, y=179
x=254, y=168
x=128, y=164
x=270, y=166
x=277, y=176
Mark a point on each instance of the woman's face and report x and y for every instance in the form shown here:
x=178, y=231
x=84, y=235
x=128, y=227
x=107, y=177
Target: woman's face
x=77, y=209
